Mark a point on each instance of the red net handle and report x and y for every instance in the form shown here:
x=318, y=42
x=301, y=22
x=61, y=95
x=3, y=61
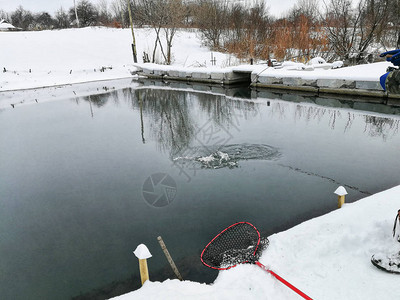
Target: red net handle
x=292, y=287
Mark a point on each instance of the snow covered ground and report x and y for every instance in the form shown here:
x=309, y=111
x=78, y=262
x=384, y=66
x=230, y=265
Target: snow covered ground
x=58, y=57
x=327, y=257
x=367, y=72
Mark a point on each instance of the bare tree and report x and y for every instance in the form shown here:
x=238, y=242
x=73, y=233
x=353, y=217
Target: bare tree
x=43, y=20
x=237, y=19
x=342, y=23
x=373, y=22
x=390, y=35
x=118, y=7
x=308, y=8
x=22, y=18
x=175, y=15
x=104, y=13
x=154, y=13
x=87, y=13
x=4, y=16
x=258, y=30
x=394, y=19
x=303, y=31
x=61, y=19
x=211, y=19
x=352, y=31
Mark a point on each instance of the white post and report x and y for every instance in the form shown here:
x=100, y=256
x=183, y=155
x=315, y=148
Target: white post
x=143, y=253
x=341, y=192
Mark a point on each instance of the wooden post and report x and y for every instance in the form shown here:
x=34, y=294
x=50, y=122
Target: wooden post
x=144, y=271
x=340, y=201
x=169, y=258
x=213, y=60
x=142, y=253
x=133, y=34
x=341, y=192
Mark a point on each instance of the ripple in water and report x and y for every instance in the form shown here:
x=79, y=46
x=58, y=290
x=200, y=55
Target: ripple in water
x=216, y=157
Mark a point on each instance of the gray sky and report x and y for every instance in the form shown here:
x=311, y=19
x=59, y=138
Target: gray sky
x=277, y=7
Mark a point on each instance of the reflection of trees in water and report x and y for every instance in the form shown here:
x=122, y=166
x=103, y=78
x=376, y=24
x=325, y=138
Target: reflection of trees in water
x=226, y=111
x=374, y=125
x=350, y=119
x=171, y=124
x=381, y=127
x=100, y=100
x=315, y=113
x=278, y=109
x=309, y=113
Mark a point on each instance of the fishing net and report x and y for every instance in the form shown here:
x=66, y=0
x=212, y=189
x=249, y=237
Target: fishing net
x=239, y=243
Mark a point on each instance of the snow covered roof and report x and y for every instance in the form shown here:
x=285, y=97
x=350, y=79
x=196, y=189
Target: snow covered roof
x=4, y=26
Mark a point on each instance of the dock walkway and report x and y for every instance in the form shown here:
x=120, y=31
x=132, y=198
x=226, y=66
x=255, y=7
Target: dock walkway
x=255, y=76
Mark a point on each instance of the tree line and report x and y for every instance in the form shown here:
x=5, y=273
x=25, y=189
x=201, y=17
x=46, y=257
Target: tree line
x=88, y=15
x=333, y=29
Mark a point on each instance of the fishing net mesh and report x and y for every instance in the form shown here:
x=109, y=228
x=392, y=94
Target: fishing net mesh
x=239, y=243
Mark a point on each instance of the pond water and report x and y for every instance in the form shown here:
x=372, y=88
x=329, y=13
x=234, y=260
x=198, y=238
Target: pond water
x=85, y=180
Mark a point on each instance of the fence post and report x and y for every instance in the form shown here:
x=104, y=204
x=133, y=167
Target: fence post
x=143, y=253
x=341, y=192
x=169, y=258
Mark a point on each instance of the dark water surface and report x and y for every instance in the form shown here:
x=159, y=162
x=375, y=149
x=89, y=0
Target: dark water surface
x=83, y=181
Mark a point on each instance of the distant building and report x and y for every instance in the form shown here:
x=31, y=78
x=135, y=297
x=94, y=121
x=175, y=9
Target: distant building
x=4, y=26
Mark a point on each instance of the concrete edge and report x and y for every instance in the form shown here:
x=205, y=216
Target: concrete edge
x=330, y=91
x=316, y=90
x=310, y=89
x=224, y=81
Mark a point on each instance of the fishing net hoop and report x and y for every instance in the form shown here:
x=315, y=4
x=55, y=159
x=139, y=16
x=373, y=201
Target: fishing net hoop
x=237, y=244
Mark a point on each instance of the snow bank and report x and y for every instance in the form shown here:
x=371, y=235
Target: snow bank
x=367, y=72
x=57, y=57
x=327, y=258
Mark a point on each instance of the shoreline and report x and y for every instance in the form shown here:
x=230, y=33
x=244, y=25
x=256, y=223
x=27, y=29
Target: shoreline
x=316, y=267
x=251, y=75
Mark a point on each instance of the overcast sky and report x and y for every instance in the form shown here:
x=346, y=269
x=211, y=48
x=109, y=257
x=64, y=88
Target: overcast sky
x=277, y=7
